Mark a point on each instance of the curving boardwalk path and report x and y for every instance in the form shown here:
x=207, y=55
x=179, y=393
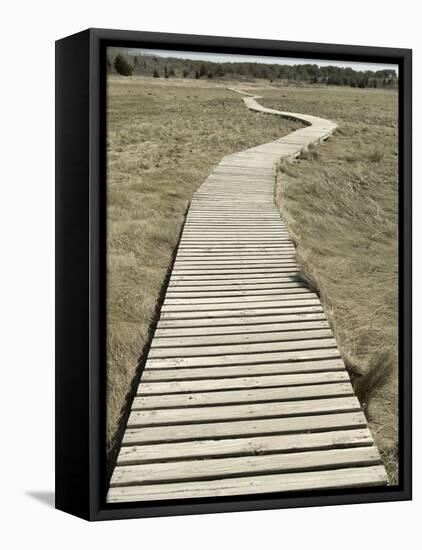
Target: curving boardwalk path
x=244, y=390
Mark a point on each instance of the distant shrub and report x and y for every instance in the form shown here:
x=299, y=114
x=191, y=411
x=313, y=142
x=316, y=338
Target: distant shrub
x=122, y=66
x=196, y=74
x=166, y=73
x=172, y=73
x=156, y=74
x=185, y=73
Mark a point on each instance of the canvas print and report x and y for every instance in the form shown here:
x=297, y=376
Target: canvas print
x=252, y=275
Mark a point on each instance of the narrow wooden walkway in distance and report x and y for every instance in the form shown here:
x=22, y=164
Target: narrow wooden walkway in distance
x=244, y=390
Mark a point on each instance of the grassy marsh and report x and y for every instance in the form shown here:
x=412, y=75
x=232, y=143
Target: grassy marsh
x=339, y=201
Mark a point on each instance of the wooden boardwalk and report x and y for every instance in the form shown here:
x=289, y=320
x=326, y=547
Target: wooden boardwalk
x=244, y=390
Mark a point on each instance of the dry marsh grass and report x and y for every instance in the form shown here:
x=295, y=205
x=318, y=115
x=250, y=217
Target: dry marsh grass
x=340, y=202
x=164, y=138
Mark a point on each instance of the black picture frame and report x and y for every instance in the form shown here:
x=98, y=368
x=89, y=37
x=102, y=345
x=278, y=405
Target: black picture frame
x=80, y=271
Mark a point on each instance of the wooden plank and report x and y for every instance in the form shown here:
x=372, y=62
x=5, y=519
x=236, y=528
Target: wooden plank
x=231, y=412
x=238, y=245
x=246, y=382
x=240, y=278
x=224, y=259
x=233, y=251
x=257, y=369
x=245, y=312
x=231, y=263
x=293, y=299
x=234, y=233
x=241, y=321
x=222, y=468
x=218, y=241
x=256, y=395
x=196, y=293
x=247, y=428
x=260, y=445
x=328, y=352
x=209, y=208
x=252, y=348
x=237, y=330
x=290, y=281
x=225, y=272
x=230, y=339
x=258, y=228
x=226, y=242
x=256, y=234
x=283, y=267
x=200, y=216
x=340, y=478
x=253, y=253
x=240, y=304
x=286, y=273
x=205, y=223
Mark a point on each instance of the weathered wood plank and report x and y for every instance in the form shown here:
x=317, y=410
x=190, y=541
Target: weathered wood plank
x=294, y=299
x=307, y=300
x=215, y=259
x=274, y=317
x=339, y=478
x=246, y=428
x=256, y=395
x=243, y=348
x=222, y=468
x=328, y=352
x=239, y=279
x=235, y=292
x=237, y=272
x=259, y=445
x=237, y=330
x=230, y=339
x=211, y=384
x=225, y=265
x=253, y=369
x=246, y=312
x=248, y=411
x=290, y=281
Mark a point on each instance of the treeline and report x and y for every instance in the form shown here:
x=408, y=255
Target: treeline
x=126, y=64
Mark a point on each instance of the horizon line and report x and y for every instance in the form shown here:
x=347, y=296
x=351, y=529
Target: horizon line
x=265, y=60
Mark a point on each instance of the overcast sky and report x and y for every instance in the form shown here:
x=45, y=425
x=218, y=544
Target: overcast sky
x=221, y=58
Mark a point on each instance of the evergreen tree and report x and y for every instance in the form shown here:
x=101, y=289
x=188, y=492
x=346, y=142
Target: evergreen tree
x=122, y=66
